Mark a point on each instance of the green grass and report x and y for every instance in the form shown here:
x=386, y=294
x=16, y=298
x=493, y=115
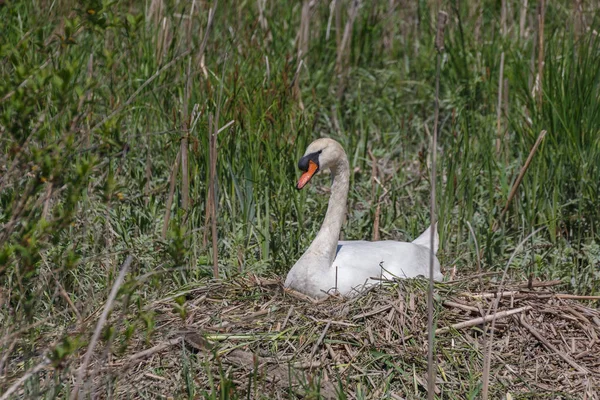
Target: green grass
x=73, y=125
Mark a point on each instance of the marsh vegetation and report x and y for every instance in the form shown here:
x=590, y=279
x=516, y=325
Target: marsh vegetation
x=169, y=131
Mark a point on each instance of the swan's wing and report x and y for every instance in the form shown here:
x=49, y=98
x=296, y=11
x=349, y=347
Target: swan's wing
x=350, y=245
x=424, y=239
x=372, y=259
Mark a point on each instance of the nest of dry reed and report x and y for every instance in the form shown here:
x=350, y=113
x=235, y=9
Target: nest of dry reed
x=255, y=339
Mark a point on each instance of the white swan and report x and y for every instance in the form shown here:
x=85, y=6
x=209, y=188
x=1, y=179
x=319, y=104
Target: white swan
x=347, y=266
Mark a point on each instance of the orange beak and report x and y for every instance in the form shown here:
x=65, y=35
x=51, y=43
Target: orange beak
x=312, y=169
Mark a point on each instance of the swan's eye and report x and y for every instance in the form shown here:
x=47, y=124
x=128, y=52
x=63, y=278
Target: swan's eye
x=303, y=164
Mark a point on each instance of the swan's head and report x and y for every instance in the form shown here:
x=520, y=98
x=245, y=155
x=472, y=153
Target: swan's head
x=322, y=154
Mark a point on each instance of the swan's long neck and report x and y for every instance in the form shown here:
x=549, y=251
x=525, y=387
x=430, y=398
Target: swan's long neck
x=325, y=244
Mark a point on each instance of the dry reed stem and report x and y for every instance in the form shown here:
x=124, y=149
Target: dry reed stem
x=213, y=176
x=267, y=71
x=154, y=11
x=164, y=39
x=505, y=108
x=483, y=320
x=212, y=193
x=296, y=93
x=320, y=340
x=209, y=195
x=388, y=30
x=287, y=317
x=63, y=292
x=488, y=351
x=376, y=222
x=338, y=23
x=479, y=273
x=262, y=20
x=343, y=50
x=499, y=107
x=503, y=11
x=153, y=350
x=304, y=31
x=200, y=55
x=171, y=195
x=107, y=307
x=463, y=307
x=374, y=200
x=478, y=24
x=533, y=22
x=439, y=45
x=187, y=94
x=302, y=41
x=47, y=199
x=541, y=18
x=200, y=58
x=88, y=95
x=490, y=295
x=329, y=20
x=579, y=22
x=148, y=171
x=515, y=186
x=523, y=19
x=575, y=297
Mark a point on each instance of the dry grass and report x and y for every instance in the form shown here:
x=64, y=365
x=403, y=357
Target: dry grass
x=248, y=337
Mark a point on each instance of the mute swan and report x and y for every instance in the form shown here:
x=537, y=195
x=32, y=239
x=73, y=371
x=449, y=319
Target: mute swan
x=347, y=266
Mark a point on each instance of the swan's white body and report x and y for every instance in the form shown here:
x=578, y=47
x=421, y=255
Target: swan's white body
x=330, y=265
